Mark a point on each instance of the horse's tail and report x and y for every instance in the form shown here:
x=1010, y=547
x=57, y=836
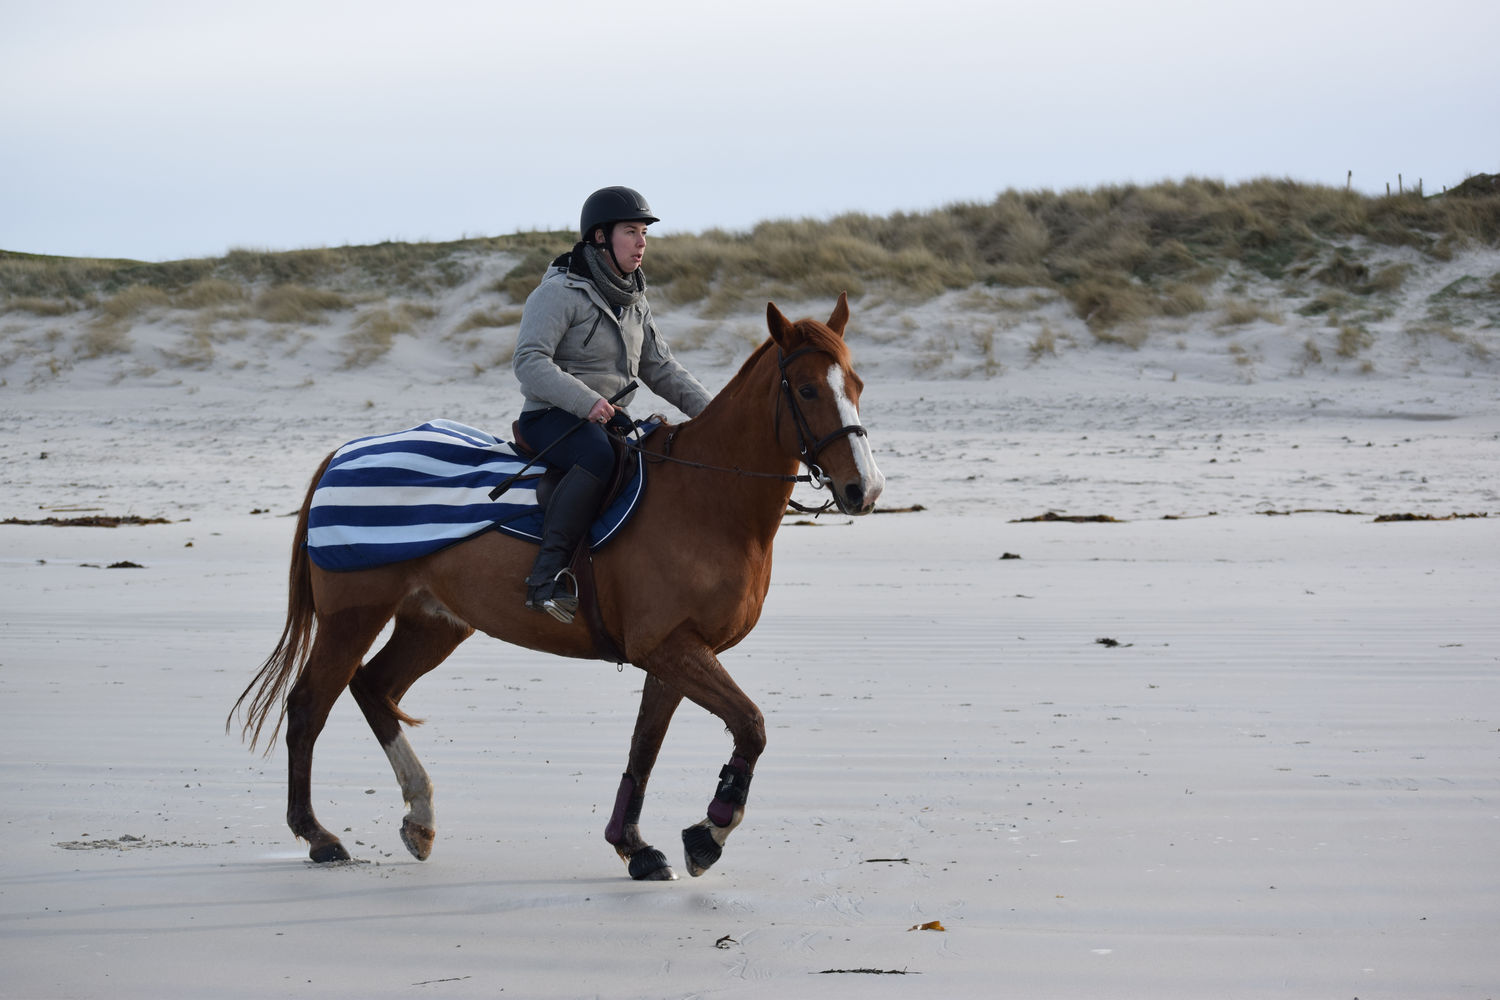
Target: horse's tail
x=290, y=655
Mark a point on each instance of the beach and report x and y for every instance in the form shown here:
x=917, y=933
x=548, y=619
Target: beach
x=1154, y=677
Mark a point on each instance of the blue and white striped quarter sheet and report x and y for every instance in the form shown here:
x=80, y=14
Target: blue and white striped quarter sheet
x=399, y=496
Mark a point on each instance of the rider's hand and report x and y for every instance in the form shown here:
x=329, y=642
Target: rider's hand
x=601, y=412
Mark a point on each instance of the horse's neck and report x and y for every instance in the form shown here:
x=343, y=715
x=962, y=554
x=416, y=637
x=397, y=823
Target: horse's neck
x=737, y=431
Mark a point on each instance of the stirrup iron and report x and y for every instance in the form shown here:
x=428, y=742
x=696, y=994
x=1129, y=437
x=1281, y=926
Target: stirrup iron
x=560, y=604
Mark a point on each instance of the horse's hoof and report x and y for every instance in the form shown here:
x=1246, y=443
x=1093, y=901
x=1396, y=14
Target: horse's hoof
x=417, y=838
x=650, y=865
x=329, y=852
x=700, y=848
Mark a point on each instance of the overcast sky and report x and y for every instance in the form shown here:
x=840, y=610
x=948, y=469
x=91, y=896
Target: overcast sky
x=165, y=129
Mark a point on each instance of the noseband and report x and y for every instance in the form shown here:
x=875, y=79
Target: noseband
x=808, y=449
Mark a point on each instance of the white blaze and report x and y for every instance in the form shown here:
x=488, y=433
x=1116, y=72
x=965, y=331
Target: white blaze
x=870, y=479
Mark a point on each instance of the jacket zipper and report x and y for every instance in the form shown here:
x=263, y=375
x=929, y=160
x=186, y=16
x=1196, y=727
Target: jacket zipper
x=597, y=317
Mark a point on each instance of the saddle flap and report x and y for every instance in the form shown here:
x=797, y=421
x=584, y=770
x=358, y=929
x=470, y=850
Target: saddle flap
x=623, y=470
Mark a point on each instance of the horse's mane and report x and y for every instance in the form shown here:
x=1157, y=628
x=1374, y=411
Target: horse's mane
x=814, y=334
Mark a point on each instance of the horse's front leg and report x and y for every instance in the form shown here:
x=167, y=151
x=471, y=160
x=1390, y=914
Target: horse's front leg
x=693, y=669
x=658, y=702
x=703, y=842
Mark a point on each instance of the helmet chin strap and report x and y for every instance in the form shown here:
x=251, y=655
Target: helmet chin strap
x=609, y=247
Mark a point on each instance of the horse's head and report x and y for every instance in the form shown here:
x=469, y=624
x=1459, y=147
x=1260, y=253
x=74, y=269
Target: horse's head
x=818, y=412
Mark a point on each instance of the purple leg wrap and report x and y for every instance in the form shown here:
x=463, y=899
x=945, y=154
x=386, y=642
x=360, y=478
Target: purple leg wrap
x=734, y=787
x=627, y=811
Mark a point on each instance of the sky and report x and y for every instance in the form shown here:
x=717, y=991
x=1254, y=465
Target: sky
x=172, y=129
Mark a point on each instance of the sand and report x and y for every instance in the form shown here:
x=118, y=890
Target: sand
x=1230, y=744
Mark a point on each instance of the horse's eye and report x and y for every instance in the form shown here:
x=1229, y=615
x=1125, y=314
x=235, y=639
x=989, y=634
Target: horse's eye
x=808, y=392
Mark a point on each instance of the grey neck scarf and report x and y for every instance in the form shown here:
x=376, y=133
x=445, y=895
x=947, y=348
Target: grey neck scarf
x=617, y=291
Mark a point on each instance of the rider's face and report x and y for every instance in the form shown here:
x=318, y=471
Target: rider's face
x=628, y=241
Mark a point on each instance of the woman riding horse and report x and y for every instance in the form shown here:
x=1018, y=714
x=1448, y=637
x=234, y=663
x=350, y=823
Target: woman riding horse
x=684, y=581
x=586, y=331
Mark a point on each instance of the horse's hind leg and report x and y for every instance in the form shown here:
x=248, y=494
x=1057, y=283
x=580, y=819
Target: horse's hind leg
x=341, y=640
x=423, y=637
x=658, y=702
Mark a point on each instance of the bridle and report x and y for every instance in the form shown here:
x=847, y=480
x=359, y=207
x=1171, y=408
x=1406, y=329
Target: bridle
x=808, y=448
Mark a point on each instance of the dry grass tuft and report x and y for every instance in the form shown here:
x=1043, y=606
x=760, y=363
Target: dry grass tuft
x=1353, y=339
x=373, y=334
x=196, y=348
x=38, y=305
x=131, y=301
x=1327, y=302
x=523, y=278
x=485, y=319
x=211, y=293
x=375, y=331
x=1107, y=302
x=1311, y=354
x=1131, y=335
x=298, y=304
x=1181, y=299
x=1240, y=312
x=1389, y=279
x=1044, y=344
x=100, y=339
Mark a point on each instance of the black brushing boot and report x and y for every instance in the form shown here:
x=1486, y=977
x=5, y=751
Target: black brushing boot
x=570, y=511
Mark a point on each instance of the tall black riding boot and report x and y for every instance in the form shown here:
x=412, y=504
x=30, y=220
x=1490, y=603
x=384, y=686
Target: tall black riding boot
x=575, y=500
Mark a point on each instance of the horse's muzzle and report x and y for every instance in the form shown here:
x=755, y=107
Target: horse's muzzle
x=855, y=499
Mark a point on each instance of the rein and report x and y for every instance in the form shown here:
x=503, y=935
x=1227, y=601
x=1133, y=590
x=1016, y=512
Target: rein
x=807, y=448
x=665, y=455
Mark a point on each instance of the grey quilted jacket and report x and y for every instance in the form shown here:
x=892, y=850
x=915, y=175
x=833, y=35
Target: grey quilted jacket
x=572, y=350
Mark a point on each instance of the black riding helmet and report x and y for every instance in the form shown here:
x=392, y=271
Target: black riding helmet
x=610, y=205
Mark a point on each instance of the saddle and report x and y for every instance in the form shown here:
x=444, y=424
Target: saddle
x=549, y=476
x=581, y=565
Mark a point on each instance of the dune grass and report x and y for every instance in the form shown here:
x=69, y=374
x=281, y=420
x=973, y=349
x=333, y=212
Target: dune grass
x=298, y=304
x=38, y=305
x=486, y=319
x=375, y=331
x=132, y=300
x=1120, y=256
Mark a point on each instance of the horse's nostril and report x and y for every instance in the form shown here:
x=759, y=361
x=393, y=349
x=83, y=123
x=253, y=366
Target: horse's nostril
x=854, y=496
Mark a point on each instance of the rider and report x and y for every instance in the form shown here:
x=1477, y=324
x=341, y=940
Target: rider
x=586, y=331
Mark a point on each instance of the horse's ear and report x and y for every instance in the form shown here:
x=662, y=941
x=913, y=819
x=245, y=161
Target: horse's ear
x=840, y=314
x=781, y=327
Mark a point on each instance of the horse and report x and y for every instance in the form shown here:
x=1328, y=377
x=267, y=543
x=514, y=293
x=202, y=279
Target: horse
x=683, y=581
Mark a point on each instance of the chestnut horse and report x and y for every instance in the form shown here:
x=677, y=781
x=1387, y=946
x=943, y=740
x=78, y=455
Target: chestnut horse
x=683, y=581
